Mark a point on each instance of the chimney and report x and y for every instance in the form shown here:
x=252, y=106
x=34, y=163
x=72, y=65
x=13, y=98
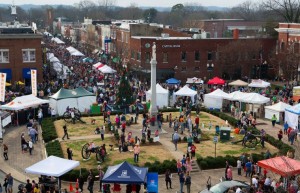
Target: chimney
x=236, y=34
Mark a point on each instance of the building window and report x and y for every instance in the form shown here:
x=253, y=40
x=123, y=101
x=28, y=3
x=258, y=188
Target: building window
x=197, y=56
x=4, y=56
x=165, y=57
x=209, y=56
x=122, y=36
x=183, y=56
x=138, y=56
x=183, y=69
x=132, y=54
x=126, y=38
x=147, y=57
x=197, y=69
x=28, y=55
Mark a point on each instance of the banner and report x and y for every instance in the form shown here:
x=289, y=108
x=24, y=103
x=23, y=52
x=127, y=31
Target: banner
x=152, y=182
x=2, y=86
x=33, y=82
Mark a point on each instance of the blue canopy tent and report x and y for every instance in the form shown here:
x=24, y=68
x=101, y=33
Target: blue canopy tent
x=173, y=81
x=125, y=173
x=292, y=115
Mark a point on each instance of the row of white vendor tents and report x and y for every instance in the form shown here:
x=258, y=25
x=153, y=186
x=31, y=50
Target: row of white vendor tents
x=214, y=100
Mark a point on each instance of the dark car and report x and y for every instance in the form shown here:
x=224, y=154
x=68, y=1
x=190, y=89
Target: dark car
x=223, y=187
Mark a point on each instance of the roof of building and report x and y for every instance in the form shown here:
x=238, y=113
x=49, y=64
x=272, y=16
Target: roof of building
x=161, y=38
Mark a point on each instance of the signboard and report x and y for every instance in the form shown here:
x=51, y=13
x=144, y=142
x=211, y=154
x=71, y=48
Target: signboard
x=2, y=86
x=152, y=182
x=33, y=82
x=170, y=46
x=215, y=140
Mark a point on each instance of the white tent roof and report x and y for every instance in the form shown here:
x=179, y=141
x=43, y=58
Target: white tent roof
x=23, y=102
x=54, y=59
x=57, y=40
x=280, y=107
x=107, y=70
x=50, y=55
x=71, y=49
x=294, y=109
x=219, y=94
x=77, y=53
x=52, y=166
x=238, y=83
x=255, y=98
x=186, y=91
x=237, y=95
x=194, y=80
x=259, y=84
x=159, y=89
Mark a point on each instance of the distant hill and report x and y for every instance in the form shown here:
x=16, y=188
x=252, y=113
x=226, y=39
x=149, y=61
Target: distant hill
x=30, y=6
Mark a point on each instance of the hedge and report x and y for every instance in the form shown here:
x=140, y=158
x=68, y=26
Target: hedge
x=48, y=128
x=161, y=168
x=282, y=147
x=54, y=148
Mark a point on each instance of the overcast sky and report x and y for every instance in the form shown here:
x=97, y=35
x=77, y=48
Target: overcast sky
x=161, y=3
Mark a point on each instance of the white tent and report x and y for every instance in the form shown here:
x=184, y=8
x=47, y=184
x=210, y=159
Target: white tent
x=57, y=40
x=77, y=53
x=259, y=84
x=185, y=91
x=276, y=109
x=237, y=95
x=107, y=70
x=54, y=59
x=255, y=98
x=52, y=166
x=50, y=55
x=215, y=99
x=238, y=83
x=162, y=96
x=292, y=115
x=23, y=102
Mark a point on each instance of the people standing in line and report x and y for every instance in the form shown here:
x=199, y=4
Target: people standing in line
x=175, y=139
x=28, y=186
x=229, y=173
x=32, y=133
x=136, y=151
x=5, y=151
x=90, y=182
x=70, y=153
x=10, y=183
x=5, y=184
x=117, y=120
x=274, y=119
x=65, y=132
x=168, y=179
x=102, y=132
x=40, y=116
x=30, y=145
x=181, y=181
x=188, y=182
x=80, y=183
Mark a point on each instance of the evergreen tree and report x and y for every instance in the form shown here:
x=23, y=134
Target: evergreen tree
x=124, y=92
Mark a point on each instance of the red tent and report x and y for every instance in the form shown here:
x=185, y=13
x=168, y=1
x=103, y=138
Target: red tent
x=216, y=80
x=282, y=165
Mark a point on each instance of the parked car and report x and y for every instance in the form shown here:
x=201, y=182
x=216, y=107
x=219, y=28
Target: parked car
x=223, y=187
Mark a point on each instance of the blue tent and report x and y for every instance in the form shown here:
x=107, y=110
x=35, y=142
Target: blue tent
x=173, y=81
x=125, y=173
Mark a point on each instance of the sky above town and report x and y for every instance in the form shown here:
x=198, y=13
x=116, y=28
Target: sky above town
x=139, y=3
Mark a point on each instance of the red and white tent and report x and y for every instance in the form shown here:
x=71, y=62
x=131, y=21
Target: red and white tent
x=98, y=65
x=104, y=68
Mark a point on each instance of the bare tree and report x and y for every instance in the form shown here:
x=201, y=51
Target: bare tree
x=287, y=9
x=246, y=10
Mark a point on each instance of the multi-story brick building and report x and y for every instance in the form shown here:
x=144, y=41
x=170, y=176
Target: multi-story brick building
x=20, y=51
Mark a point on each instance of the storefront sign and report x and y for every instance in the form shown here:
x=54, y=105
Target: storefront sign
x=170, y=46
x=33, y=82
x=2, y=86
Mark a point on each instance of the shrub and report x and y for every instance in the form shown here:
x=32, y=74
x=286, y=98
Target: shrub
x=48, y=128
x=54, y=148
x=143, y=140
x=150, y=140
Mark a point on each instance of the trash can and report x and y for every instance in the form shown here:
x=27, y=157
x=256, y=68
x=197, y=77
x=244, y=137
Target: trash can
x=217, y=130
x=225, y=133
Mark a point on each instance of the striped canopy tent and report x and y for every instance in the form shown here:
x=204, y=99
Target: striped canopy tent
x=98, y=65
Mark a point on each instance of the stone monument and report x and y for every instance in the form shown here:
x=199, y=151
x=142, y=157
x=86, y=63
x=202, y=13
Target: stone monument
x=153, y=107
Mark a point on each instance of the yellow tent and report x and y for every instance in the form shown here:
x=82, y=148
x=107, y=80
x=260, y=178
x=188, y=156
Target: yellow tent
x=7, y=84
x=20, y=83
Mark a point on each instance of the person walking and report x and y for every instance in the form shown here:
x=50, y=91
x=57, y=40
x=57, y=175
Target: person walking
x=273, y=119
x=90, y=182
x=175, y=139
x=65, y=132
x=10, y=183
x=181, y=181
x=80, y=183
x=136, y=151
x=188, y=182
x=102, y=132
x=285, y=128
x=239, y=166
x=40, y=116
x=5, y=184
x=30, y=145
x=32, y=133
x=5, y=151
x=70, y=153
x=197, y=122
x=100, y=176
x=168, y=179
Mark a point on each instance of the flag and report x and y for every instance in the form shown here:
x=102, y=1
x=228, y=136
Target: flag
x=33, y=82
x=2, y=86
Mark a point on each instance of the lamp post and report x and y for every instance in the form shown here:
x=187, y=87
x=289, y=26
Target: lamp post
x=210, y=68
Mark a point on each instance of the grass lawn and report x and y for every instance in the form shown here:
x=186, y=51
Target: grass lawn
x=149, y=153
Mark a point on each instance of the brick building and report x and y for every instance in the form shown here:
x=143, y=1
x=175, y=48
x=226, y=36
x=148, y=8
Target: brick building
x=20, y=52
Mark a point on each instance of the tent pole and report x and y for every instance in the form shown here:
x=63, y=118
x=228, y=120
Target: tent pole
x=59, y=188
x=17, y=118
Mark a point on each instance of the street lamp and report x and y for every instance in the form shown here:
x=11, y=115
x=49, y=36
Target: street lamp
x=210, y=68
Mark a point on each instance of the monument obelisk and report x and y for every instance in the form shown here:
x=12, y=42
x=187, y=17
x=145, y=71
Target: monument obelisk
x=153, y=107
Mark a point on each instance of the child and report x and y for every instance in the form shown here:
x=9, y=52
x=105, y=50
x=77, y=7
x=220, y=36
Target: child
x=280, y=134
